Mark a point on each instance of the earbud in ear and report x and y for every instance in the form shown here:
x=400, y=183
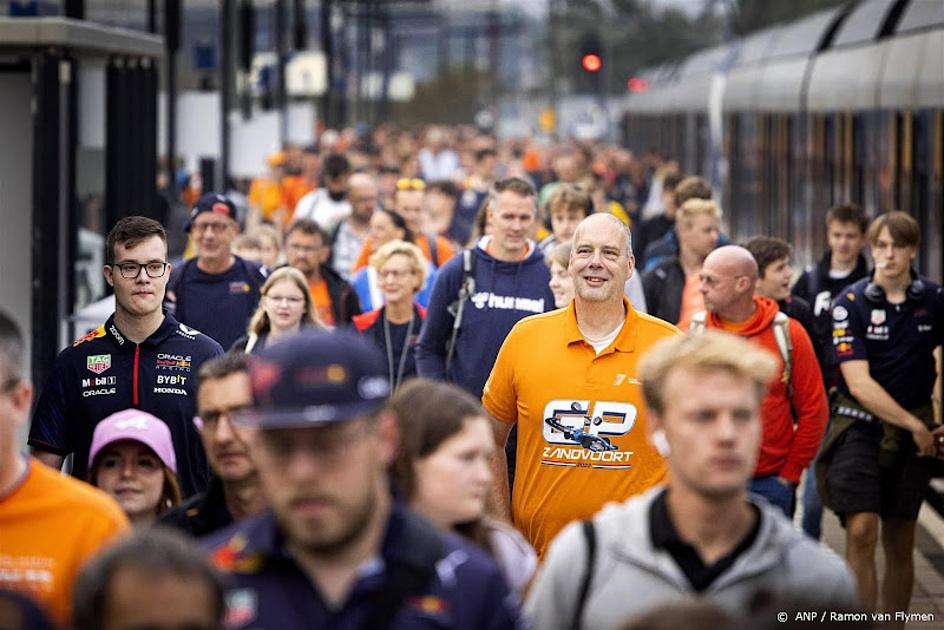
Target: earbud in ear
x=661, y=443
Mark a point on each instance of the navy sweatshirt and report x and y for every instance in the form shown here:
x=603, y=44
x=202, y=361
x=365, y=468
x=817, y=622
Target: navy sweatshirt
x=505, y=292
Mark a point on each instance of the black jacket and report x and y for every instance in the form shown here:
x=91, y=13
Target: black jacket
x=799, y=309
x=819, y=290
x=344, y=302
x=201, y=514
x=663, y=286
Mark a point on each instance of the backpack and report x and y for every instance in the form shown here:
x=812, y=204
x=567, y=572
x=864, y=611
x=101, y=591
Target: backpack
x=781, y=328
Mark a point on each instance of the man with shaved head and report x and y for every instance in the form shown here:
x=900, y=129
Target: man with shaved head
x=347, y=237
x=794, y=410
x=568, y=380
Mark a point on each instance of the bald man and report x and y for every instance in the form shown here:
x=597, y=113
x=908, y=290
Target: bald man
x=568, y=380
x=347, y=237
x=794, y=411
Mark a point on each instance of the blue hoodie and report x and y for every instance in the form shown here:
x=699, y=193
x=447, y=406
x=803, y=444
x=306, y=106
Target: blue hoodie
x=505, y=292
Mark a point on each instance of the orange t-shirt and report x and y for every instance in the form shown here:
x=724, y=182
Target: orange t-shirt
x=50, y=525
x=322, y=299
x=266, y=195
x=444, y=251
x=692, y=301
x=294, y=187
x=545, y=370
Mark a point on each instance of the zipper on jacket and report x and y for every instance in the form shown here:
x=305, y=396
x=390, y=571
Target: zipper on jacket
x=137, y=359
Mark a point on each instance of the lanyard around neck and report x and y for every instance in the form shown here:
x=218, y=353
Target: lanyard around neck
x=395, y=382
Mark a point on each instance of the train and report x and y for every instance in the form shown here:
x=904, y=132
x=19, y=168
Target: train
x=845, y=105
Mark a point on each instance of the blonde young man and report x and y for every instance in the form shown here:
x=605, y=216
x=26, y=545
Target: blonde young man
x=672, y=287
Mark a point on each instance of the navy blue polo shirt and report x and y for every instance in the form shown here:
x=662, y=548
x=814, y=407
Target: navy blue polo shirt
x=217, y=304
x=267, y=589
x=103, y=372
x=896, y=339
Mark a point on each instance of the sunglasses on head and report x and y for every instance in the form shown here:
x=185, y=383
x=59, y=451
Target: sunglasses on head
x=410, y=183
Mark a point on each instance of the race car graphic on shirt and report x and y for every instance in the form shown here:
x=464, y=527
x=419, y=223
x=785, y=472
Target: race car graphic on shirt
x=578, y=437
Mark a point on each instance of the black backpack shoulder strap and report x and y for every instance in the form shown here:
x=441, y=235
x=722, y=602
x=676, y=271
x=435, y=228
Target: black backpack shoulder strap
x=465, y=292
x=590, y=535
x=433, y=248
x=408, y=572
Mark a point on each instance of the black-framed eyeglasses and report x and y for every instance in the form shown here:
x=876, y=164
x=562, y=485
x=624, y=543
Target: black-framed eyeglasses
x=131, y=270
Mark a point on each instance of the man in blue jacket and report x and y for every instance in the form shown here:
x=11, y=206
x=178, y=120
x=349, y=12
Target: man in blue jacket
x=478, y=297
x=337, y=550
x=481, y=294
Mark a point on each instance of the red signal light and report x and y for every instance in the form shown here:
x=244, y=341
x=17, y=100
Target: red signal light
x=637, y=85
x=591, y=62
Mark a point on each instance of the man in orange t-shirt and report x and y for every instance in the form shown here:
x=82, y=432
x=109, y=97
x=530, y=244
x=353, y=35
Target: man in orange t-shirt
x=50, y=525
x=568, y=379
x=306, y=249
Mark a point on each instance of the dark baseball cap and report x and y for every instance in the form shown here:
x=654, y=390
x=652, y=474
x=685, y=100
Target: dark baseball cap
x=212, y=202
x=313, y=379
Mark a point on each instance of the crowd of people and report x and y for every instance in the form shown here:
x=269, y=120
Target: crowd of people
x=440, y=379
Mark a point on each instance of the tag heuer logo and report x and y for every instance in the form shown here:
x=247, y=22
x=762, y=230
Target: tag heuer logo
x=98, y=363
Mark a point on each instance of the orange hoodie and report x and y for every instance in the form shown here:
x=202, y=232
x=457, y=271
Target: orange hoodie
x=785, y=449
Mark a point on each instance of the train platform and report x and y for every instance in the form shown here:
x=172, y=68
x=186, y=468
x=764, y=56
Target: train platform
x=928, y=597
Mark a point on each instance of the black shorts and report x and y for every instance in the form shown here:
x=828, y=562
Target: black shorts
x=858, y=484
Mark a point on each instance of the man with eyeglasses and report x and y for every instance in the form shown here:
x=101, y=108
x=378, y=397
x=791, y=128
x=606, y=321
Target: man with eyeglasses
x=409, y=201
x=141, y=357
x=337, y=549
x=306, y=248
x=234, y=491
x=217, y=291
x=794, y=409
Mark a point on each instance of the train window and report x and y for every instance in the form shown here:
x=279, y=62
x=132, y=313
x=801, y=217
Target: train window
x=925, y=186
x=858, y=157
x=887, y=130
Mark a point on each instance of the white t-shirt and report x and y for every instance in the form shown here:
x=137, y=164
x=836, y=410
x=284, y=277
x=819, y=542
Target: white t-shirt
x=320, y=207
x=602, y=343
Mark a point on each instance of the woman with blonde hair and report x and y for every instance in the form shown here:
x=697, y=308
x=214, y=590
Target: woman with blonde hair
x=401, y=270
x=285, y=306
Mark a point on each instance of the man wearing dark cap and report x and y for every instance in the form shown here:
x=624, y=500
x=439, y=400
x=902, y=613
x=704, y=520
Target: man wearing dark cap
x=336, y=549
x=216, y=292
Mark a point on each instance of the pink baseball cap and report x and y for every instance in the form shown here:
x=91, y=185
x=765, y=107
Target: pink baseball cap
x=137, y=425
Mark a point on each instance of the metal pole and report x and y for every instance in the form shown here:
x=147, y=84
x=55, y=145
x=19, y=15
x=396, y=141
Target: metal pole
x=226, y=91
x=327, y=46
x=281, y=53
x=172, y=44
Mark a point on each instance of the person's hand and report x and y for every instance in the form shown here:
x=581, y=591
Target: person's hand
x=925, y=442
x=787, y=483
